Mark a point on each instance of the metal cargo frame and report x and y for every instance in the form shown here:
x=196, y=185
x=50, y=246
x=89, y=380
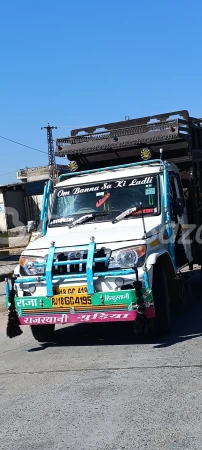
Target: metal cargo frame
x=179, y=134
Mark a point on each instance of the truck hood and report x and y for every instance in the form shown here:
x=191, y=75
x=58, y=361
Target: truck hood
x=104, y=233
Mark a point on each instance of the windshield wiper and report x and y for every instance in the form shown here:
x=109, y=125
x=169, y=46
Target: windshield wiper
x=59, y=222
x=87, y=218
x=126, y=213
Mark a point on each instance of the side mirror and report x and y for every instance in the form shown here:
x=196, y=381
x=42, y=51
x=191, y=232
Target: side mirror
x=31, y=226
x=179, y=206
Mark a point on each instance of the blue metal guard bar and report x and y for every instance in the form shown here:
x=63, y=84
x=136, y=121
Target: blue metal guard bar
x=45, y=205
x=73, y=261
x=89, y=275
x=43, y=202
x=113, y=273
x=7, y=288
x=89, y=266
x=49, y=266
x=122, y=166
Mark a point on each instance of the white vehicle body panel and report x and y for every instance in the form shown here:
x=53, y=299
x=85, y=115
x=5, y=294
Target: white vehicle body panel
x=126, y=233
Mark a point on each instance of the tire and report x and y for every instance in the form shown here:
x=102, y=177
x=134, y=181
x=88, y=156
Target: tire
x=43, y=333
x=162, y=321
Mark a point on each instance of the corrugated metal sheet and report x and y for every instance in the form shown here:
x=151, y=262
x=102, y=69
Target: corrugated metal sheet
x=33, y=204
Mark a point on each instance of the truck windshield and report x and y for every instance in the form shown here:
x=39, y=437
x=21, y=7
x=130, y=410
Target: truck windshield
x=110, y=197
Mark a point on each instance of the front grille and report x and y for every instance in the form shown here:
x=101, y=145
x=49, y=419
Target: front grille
x=80, y=268
x=81, y=309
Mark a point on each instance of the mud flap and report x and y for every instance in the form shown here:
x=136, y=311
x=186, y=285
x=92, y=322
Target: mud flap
x=13, y=329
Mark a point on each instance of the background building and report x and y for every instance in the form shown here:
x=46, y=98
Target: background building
x=21, y=202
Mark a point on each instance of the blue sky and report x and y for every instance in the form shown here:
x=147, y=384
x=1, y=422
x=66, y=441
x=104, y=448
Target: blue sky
x=83, y=62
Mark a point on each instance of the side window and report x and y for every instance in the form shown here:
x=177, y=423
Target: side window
x=179, y=185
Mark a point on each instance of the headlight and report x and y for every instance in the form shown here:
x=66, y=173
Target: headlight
x=27, y=265
x=128, y=257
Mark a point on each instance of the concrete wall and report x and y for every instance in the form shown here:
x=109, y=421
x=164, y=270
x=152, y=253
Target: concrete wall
x=33, y=174
x=38, y=173
x=15, y=208
x=20, y=203
x=3, y=221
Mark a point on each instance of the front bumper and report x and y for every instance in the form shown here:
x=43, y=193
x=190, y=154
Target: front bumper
x=113, y=306
x=108, y=316
x=108, y=303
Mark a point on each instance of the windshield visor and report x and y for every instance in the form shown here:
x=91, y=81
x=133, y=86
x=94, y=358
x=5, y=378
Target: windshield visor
x=109, y=197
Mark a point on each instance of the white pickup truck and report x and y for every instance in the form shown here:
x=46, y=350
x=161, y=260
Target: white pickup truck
x=109, y=251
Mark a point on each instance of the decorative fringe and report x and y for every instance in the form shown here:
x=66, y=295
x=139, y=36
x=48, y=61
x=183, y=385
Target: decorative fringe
x=13, y=329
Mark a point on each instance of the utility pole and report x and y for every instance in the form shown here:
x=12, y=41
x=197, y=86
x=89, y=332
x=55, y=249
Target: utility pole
x=51, y=153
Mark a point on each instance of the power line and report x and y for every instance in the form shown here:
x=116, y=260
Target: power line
x=7, y=173
x=23, y=145
x=27, y=146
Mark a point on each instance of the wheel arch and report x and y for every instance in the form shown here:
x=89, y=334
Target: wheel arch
x=164, y=260
x=163, y=255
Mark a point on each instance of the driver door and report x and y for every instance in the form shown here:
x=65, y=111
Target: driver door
x=180, y=223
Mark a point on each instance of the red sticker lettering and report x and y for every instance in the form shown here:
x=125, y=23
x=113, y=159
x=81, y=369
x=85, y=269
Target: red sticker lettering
x=102, y=200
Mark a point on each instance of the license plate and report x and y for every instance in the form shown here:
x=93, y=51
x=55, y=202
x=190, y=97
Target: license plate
x=70, y=296
x=69, y=290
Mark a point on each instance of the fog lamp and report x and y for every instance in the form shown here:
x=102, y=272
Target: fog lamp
x=119, y=282
x=32, y=288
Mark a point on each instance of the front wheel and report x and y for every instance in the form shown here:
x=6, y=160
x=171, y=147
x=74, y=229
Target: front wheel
x=43, y=333
x=162, y=321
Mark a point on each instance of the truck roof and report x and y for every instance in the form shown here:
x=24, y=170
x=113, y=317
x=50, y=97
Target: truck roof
x=177, y=132
x=117, y=173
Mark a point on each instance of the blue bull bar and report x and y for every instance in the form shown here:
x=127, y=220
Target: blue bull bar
x=90, y=275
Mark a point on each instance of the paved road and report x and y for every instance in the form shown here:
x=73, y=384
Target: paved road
x=94, y=390
x=7, y=266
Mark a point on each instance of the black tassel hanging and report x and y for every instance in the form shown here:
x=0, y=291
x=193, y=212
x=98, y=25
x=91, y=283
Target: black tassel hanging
x=13, y=328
